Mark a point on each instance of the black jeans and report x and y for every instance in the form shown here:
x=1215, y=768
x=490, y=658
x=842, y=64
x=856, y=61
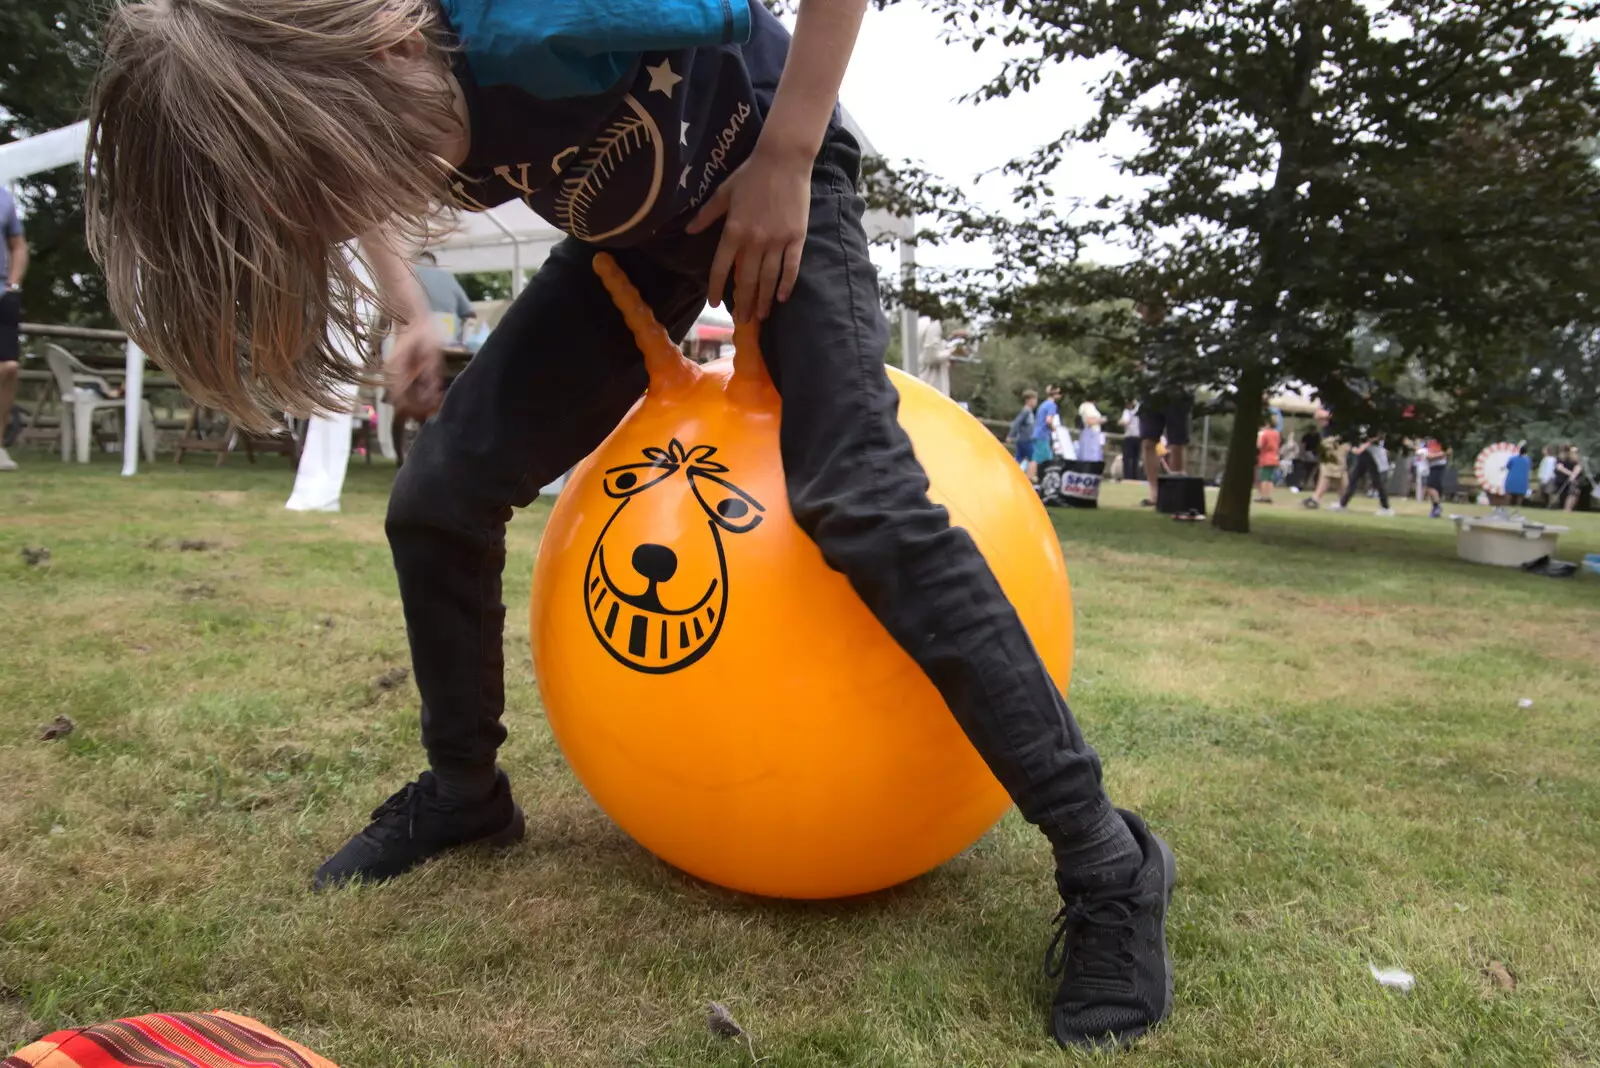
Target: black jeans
x=562, y=369
x=1365, y=466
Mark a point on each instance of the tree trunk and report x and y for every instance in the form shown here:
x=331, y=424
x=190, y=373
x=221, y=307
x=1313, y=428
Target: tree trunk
x=1272, y=275
x=1239, y=472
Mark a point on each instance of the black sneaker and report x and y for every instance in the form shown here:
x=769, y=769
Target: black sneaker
x=1110, y=952
x=415, y=825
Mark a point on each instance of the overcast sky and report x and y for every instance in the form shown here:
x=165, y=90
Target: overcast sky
x=904, y=86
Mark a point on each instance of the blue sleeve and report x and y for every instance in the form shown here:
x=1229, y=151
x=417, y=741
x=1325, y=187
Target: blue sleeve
x=569, y=48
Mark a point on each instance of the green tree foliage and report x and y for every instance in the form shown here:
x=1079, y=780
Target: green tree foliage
x=486, y=285
x=1310, y=169
x=48, y=51
x=1009, y=362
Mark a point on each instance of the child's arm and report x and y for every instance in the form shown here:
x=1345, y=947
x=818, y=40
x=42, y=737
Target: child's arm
x=415, y=365
x=767, y=201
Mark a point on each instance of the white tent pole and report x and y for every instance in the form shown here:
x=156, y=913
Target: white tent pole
x=516, y=254
x=909, y=354
x=43, y=152
x=132, y=409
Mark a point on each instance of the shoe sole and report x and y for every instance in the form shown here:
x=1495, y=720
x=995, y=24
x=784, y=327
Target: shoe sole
x=1169, y=868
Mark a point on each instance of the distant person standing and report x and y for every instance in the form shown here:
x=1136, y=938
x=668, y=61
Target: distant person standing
x=1569, y=477
x=1130, y=442
x=1164, y=410
x=1330, y=458
x=13, y=265
x=1366, y=466
x=1547, y=476
x=445, y=295
x=1021, y=434
x=1061, y=443
x=1045, y=422
x=1091, y=439
x=1438, y=462
x=1306, y=459
x=1268, y=442
x=1517, y=472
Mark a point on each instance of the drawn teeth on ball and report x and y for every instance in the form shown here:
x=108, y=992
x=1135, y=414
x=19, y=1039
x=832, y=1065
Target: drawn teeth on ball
x=638, y=631
x=611, y=618
x=683, y=635
x=698, y=633
x=663, y=639
x=601, y=596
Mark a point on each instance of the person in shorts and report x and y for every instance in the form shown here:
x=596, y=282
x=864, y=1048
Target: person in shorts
x=1021, y=435
x=1331, y=455
x=1164, y=409
x=1046, y=419
x=1268, y=442
x=1438, y=461
x=1164, y=418
x=13, y=264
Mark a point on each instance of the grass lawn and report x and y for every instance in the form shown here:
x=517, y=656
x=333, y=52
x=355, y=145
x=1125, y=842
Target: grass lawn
x=1321, y=717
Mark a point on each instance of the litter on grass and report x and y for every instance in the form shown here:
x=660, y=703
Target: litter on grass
x=1394, y=978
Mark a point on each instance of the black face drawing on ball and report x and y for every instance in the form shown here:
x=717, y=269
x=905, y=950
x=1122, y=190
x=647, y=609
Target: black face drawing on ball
x=638, y=623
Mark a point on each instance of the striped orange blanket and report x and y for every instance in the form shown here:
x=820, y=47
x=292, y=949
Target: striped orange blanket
x=168, y=1040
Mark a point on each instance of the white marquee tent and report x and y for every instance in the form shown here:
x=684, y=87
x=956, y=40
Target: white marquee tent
x=507, y=238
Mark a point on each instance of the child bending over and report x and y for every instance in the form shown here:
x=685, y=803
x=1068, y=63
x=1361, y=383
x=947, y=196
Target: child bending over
x=235, y=144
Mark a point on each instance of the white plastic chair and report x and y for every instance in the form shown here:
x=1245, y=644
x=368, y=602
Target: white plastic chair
x=84, y=393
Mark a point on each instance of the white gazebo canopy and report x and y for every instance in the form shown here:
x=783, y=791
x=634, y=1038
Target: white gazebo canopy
x=507, y=238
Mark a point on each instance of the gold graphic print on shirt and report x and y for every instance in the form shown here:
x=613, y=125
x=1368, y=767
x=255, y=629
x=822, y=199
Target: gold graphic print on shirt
x=633, y=132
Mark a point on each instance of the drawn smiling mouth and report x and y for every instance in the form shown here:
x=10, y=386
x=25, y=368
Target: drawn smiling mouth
x=650, y=600
x=640, y=631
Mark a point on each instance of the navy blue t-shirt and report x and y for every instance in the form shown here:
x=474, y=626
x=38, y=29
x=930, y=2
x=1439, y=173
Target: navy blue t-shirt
x=614, y=120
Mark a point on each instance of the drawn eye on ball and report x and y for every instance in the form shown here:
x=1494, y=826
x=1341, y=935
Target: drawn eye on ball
x=631, y=479
x=729, y=507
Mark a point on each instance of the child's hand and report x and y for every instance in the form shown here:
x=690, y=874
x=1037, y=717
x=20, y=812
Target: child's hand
x=767, y=202
x=415, y=372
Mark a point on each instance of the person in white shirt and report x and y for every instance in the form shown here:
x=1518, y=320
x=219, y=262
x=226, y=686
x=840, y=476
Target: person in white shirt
x=1547, y=474
x=1061, y=436
x=1130, y=443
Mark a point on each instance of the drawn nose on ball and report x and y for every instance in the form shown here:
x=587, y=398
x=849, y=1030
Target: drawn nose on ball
x=655, y=562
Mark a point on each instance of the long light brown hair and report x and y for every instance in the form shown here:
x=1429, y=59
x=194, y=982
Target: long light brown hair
x=233, y=145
